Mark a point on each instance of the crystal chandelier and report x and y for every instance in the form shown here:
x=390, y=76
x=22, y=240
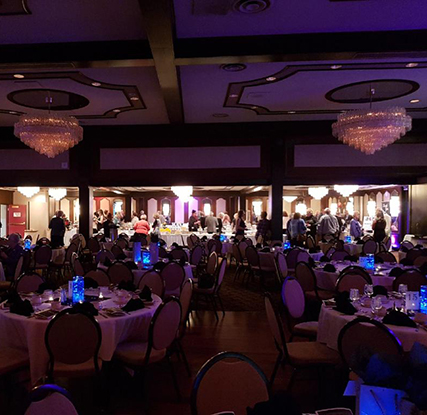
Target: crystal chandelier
x=183, y=192
x=289, y=199
x=318, y=192
x=29, y=191
x=49, y=135
x=369, y=130
x=346, y=190
x=57, y=193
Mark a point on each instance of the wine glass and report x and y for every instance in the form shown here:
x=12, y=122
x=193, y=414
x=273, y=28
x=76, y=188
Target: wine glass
x=376, y=305
x=403, y=288
x=368, y=290
x=354, y=294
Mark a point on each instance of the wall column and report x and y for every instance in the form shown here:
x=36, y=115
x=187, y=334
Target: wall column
x=276, y=189
x=86, y=210
x=128, y=208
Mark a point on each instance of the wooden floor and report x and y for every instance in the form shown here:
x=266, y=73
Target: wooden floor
x=244, y=332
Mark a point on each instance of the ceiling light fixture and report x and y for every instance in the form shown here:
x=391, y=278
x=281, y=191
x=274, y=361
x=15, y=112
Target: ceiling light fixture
x=271, y=78
x=336, y=66
x=291, y=112
x=412, y=65
x=257, y=189
x=289, y=199
x=233, y=67
x=183, y=192
x=116, y=110
x=134, y=98
x=29, y=191
x=96, y=84
x=19, y=76
x=369, y=131
x=57, y=193
x=414, y=101
x=346, y=190
x=318, y=192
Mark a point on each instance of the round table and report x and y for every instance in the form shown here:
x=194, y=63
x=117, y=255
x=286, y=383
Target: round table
x=28, y=334
x=331, y=322
x=327, y=280
x=353, y=248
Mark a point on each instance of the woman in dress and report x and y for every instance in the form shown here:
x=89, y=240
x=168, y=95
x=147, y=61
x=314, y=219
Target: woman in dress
x=240, y=223
x=378, y=226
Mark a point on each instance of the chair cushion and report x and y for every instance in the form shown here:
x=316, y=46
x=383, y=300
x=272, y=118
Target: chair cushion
x=133, y=353
x=308, y=328
x=12, y=359
x=312, y=353
x=69, y=371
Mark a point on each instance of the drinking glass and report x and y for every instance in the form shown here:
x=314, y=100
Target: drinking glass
x=376, y=304
x=354, y=294
x=368, y=290
x=403, y=288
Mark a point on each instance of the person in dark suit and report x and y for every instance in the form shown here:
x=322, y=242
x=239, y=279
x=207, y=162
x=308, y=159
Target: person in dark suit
x=57, y=227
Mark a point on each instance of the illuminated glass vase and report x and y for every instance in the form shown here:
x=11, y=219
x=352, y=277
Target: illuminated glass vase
x=423, y=299
x=78, y=290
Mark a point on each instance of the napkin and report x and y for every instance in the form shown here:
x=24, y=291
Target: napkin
x=107, y=262
x=90, y=283
x=406, y=261
x=131, y=265
x=158, y=266
x=329, y=268
x=380, y=290
x=145, y=293
x=343, y=304
x=351, y=258
x=378, y=260
x=311, y=262
x=23, y=308
x=175, y=245
x=397, y=318
x=46, y=286
x=360, y=242
x=395, y=272
x=313, y=251
x=133, y=305
x=324, y=258
x=121, y=257
x=281, y=403
x=266, y=249
x=126, y=285
x=85, y=307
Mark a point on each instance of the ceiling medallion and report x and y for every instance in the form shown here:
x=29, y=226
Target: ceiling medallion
x=49, y=134
x=369, y=131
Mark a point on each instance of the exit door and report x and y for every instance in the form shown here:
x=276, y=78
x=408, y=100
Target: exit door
x=16, y=219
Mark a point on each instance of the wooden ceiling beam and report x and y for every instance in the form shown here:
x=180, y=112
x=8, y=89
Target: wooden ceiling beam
x=158, y=21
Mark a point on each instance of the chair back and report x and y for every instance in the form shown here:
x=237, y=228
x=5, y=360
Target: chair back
x=154, y=281
x=249, y=241
x=293, y=297
x=117, y=251
x=370, y=247
x=387, y=244
x=348, y=280
x=173, y=275
x=310, y=242
x=282, y=264
x=420, y=261
x=291, y=257
x=216, y=246
x=190, y=242
x=43, y=255
x=165, y=324
x=196, y=255
x=179, y=254
x=242, y=246
x=70, y=250
x=275, y=323
x=19, y=267
x=77, y=265
x=221, y=274
x=236, y=254
x=412, y=278
x=78, y=329
x=162, y=252
x=339, y=255
x=185, y=300
x=119, y=272
x=122, y=243
x=93, y=245
x=28, y=282
x=330, y=252
x=252, y=256
x=100, y=276
x=362, y=338
x=276, y=243
x=386, y=257
x=303, y=256
x=305, y=276
x=355, y=269
x=27, y=260
x=50, y=399
x=414, y=253
x=212, y=263
x=102, y=255
x=339, y=245
x=228, y=382
x=407, y=244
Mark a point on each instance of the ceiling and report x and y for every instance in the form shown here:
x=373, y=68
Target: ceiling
x=84, y=55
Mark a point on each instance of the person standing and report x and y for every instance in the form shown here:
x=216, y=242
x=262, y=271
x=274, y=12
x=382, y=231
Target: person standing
x=378, y=226
x=263, y=229
x=134, y=219
x=57, y=227
x=328, y=225
x=355, y=226
x=193, y=222
x=311, y=223
x=297, y=229
x=108, y=226
x=240, y=223
x=387, y=219
x=11, y=256
x=211, y=223
x=142, y=226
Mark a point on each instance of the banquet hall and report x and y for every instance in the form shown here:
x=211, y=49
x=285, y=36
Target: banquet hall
x=213, y=207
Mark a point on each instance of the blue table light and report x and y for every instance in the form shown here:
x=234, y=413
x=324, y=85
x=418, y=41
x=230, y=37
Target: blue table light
x=78, y=289
x=347, y=239
x=367, y=262
x=423, y=299
x=286, y=245
x=137, y=252
x=146, y=258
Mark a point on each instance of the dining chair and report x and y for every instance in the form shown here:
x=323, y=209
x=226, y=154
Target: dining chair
x=307, y=279
x=50, y=399
x=164, y=325
x=190, y=242
x=154, y=281
x=42, y=258
x=291, y=259
x=339, y=255
x=73, y=340
x=212, y=263
x=406, y=244
x=122, y=243
x=369, y=247
x=76, y=265
x=29, y=282
x=242, y=247
x=347, y=281
x=299, y=355
x=117, y=251
x=310, y=243
x=294, y=301
x=413, y=278
x=282, y=265
x=386, y=257
x=68, y=254
x=93, y=245
x=213, y=293
x=414, y=253
x=178, y=254
x=420, y=261
x=228, y=382
x=118, y=272
x=216, y=246
x=100, y=276
x=362, y=338
x=173, y=275
x=241, y=263
x=162, y=252
x=103, y=254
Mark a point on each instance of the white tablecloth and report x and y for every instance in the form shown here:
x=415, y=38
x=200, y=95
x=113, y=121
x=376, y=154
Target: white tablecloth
x=353, y=248
x=331, y=322
x=28, y=334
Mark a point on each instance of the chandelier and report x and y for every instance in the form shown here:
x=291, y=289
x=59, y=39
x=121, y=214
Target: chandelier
x=346, y=190
x=29, y=191
x=318, y=192
x=49, y=135
x=289, y=199
x=57, y=193
x=183, y=192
